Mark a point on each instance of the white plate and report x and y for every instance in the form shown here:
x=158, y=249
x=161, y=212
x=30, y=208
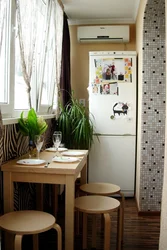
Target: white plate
x=54, y=150
x=31, y=161
x=65, y=159
x=73, y=153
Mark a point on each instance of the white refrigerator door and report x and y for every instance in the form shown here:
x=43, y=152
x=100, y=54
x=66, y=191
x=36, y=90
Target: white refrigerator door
x=101, y=108
x=106, y=108
x=112, y=160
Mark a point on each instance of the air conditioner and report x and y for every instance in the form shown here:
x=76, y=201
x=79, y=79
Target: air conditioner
x=110, y=34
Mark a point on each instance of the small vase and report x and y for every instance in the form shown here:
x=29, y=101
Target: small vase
x=31, y=149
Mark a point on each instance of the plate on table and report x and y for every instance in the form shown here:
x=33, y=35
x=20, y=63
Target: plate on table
x=54, y=150
x=73, y=153
x=65, y=159
x=31, y=161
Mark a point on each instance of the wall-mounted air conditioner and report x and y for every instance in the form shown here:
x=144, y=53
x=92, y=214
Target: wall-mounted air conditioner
x=110, y=34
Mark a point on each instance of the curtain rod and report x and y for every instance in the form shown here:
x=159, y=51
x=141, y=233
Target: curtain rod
x=61, y=4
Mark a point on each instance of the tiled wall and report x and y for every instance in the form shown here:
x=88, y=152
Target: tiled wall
x=153, y=106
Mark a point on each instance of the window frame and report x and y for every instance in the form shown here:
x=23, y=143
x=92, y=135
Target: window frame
x=8, y=112
x=6, y=108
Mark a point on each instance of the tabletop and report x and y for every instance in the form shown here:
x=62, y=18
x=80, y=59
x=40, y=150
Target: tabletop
x=53, y=167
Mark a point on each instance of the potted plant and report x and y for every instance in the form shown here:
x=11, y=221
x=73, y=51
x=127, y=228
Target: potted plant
x=31, y=126
x=76, y=125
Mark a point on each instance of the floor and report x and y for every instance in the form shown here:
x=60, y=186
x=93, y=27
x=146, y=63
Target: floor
x=140, y=232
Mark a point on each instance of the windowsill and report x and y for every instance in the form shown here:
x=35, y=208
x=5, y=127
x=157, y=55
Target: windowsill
x=8, y=121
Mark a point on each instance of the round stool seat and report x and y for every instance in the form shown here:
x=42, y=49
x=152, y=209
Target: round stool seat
x=100, y=188
x=96, y=204
x=27, y=222
x=103, y=205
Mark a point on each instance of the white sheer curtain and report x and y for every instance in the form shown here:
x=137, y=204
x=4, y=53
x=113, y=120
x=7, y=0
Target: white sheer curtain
x=32, y=63
x=2, y=20
x=58, y=21
x=27, y=30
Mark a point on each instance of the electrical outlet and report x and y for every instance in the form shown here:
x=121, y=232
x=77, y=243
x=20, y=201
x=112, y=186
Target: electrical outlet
x=82, y=101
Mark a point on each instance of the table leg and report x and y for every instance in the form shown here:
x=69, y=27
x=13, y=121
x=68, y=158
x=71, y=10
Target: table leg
x=83, y=180
x=55, y=189
x=84, y=174
x=69, y=212
x=8, y=192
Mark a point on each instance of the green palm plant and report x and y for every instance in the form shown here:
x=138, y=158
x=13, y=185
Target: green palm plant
x=32, y=124
x=76, y=126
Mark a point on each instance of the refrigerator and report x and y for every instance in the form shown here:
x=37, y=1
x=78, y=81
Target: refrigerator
x=112, y=109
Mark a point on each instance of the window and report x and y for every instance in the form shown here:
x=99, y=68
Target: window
x=31, y=65
x=49, y=67
x=3, y=50
x=5, y=31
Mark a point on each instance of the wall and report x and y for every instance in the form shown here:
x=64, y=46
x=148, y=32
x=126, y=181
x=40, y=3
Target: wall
x=152, y=104
x=80, y=59
x=139, y=45
x=163, y=229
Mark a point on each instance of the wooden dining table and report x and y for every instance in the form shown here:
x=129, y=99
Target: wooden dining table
x=52, y=173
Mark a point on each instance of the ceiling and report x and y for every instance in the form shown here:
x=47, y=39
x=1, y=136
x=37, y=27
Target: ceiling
x=101, y=11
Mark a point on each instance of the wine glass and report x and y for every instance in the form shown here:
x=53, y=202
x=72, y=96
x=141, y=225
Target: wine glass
x=38, y=140
x=57, y=137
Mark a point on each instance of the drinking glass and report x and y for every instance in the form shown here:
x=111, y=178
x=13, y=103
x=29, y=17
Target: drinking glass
x=38, y=140
x=57, y=137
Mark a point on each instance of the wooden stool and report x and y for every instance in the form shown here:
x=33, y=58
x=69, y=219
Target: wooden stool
x=29, y=222
x=95, y=204
x=105, y=189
